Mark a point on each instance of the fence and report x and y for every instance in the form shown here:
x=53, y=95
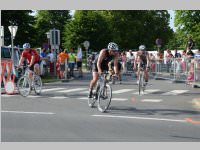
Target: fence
x=184, y=70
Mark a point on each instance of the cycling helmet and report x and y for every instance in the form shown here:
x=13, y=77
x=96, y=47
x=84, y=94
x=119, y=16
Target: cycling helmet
x=26, y=45
x=113, y=46
x=142, y=47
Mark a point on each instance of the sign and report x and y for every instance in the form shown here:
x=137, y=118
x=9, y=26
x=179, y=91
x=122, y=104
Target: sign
x=13, y=30
x=54, y=37
x=86, y=44
x=2, y=31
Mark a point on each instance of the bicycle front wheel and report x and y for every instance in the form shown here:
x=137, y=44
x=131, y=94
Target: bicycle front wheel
x=24, y=86
x=37, y=84
x=104, y=98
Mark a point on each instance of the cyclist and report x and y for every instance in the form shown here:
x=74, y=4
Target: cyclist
x=101, y=63
x=142, y=60
x=32, y=58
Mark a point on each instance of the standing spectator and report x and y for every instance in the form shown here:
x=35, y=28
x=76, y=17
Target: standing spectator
x=123, y=57
x=79, y=62
x=61, y=60
x=168, y=58
x=71, y=62
x=152, y=63
x=190, y=43
x=159, y=59
x=184, y=60
x=51, y=61
x=130, y=60
x=43, y=63
x=177, y=55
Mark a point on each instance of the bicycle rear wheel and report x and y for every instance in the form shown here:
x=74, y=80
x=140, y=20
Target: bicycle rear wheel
x=104, y=98
x=37, y=84
x=24, y=86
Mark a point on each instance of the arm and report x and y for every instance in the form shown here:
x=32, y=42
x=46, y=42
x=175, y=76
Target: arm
x=32, y=61
x=100, y=59
x=20, y=61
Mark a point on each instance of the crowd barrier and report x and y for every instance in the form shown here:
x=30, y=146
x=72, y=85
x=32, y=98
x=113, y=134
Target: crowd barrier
x=8, y=75
x=177, y=70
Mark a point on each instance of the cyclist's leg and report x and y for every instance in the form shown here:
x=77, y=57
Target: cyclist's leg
x=37, y=68
x=138, y=71
x=94, y=80
x=146, y=74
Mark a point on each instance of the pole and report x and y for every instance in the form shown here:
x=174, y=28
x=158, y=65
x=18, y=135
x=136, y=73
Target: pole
x=54, y=45
x=12, y=44
x=86, y=57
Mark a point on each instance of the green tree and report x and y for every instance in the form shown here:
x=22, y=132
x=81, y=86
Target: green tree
x=87, y=25
x=23, y=20
x=187, y=23
x=134, y=27
x=49, y=19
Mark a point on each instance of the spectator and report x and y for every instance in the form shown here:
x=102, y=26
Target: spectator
x=130, y=60
x=71, y=62
x=177, y=54
x=184, y=60
x=43, y=63
x=190, y=43
x=168, y=58
x=123, y=58
x=51, y=61
x=159, y=59
x=79, y=62
x=153, y=62
x=61, y=59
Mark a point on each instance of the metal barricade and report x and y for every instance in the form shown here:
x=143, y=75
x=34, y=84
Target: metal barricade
x=196, y=82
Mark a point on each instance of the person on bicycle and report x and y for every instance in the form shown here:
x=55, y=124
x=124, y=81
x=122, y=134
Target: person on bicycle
x=32, y=58
x=142, y=61
x=101, y=63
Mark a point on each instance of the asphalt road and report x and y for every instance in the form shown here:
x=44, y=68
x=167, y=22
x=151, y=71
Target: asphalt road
x=61, y=114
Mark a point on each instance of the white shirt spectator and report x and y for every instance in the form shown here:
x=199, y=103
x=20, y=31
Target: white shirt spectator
x=79, y=54
x=51, y=57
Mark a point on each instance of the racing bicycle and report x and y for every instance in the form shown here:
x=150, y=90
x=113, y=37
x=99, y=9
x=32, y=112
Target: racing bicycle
x=101, y=93
x=25, y=85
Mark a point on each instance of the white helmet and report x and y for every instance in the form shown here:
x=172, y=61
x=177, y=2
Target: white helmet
x=142, y=47
x=113, y=46
x=26, y=45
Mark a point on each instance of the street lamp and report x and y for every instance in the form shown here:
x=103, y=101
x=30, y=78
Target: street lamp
x=13, y=31
x=48, y=37
x=2, y=35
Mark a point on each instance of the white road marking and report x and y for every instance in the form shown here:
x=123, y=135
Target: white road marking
x=175, y=92
x=122, y=91
x=24, y=112
x=33, y=96
x=152, y=100
x=72, y=90
x=148, y=91
x=6, y=95
x=141, y=118
x=53, y=89
x=58, y=97
x=113, y=99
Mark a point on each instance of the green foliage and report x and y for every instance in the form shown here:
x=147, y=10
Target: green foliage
x=23, y=20
x=187, y=23
x=87, y=25
x=49, y=19
x=128, y=28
